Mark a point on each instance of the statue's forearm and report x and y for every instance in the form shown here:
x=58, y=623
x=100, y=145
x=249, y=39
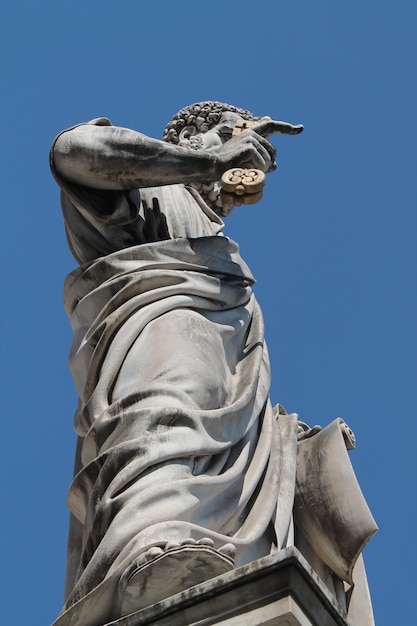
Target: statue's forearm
x=108, y=157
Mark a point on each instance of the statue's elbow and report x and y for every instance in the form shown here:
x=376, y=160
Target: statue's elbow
x=68, y=157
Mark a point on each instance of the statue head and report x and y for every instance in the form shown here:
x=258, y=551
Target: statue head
x=187, y=127
x=199, y=118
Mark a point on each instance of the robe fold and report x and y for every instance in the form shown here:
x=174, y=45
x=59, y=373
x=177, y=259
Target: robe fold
x=178, y=436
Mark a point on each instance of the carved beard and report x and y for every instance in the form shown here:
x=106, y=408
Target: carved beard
x=210, y=192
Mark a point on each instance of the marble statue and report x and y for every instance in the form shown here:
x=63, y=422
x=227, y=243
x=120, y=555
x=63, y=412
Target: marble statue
x=184, y=470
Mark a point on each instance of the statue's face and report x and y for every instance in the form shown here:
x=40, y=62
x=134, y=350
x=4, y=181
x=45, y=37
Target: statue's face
x=190, y=137
x=220, y=133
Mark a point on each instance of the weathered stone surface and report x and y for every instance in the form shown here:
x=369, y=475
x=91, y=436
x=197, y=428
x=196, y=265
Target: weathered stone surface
x=278, y=590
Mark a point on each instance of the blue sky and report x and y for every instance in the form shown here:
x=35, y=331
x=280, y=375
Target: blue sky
x=332, y=244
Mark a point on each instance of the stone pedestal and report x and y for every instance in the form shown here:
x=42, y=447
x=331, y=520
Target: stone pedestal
x=278, y=590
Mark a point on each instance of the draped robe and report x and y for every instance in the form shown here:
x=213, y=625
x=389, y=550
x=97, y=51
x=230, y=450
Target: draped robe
x=177, y=435
x=177, y=438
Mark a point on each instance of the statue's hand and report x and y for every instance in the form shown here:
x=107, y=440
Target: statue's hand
x=249, y=149
x=268, y=127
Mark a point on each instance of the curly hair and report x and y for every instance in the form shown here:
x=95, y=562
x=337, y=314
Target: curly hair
x=201, y=116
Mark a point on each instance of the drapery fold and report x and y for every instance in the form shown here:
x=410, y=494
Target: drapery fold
x=179, y=437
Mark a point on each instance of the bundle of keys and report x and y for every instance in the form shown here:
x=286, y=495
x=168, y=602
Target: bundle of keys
x=245, y=185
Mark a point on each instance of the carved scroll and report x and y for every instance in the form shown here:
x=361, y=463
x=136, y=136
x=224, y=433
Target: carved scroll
x=329, y=506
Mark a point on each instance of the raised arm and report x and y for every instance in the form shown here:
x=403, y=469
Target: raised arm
x=108, y=157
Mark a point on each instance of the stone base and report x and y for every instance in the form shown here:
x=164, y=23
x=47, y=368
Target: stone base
x=277, y=590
